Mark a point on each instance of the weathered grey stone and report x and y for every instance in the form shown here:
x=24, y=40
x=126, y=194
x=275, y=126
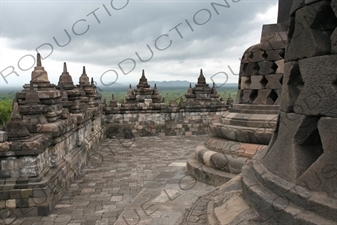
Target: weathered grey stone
x=39, y=75
x=3, y=136
x=297, y=4
x=258, y=56
x=284, y=10
x=274, y=81
x=245, y=83
x=274, y=33
x=333, y=39
x=252, y=68
x=273, y=45
x=292, y=85
x=318, y=72
x=246, y=96
x=280, y=66
x=310, y=38
x=5, y=146
x=15, y=127
x=207, y=174
x=258, y=82
x=321, y=175
x=219, y=161
x=267, y=68
x=263, y=97
x=297, y=155
x=274, y=55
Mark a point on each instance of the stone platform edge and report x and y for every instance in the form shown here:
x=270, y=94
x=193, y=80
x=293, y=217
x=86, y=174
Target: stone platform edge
x=31, y=198
x=206, y=174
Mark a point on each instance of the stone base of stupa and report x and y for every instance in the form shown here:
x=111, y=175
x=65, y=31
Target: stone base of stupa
x=236, y=137
x=257, y=196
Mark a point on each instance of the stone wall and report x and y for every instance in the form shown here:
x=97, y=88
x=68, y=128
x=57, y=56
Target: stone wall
x=144, y=112
x=35, y=183
x=163, y=123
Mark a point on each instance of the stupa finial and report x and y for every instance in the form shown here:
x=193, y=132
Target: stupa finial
x=65, y=67
x=38, y=60
x=201, y=79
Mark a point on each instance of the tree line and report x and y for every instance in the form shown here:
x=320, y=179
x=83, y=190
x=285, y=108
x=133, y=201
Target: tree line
x=6, y=99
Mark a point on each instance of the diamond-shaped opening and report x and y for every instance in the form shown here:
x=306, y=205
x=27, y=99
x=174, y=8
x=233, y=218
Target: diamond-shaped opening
x=308, y=137
x=274, y=66
x=248, y=81
x=256, y=68
x=244, y=67
x=264, y=55
x=295, y=83
x=264, y=81
x=253, y=95
x=244, y=55
x=295, y=78
x=313, y=139
x=251, y=55
x=273, y=96
x=282, y=53
x=325, y=19
x=281, y=80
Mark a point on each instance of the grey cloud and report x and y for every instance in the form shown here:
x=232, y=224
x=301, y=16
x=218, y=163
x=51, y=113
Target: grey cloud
x=29, y=24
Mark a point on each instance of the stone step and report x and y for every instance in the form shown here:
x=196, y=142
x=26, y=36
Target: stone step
x=318, y=202
x=277, y=209
x=257, y=107
x=250, y=120
x=229, y=207
x=229, y=147
x=220, y=161
x=253, y=111
x=242, y=134
x=206, y=174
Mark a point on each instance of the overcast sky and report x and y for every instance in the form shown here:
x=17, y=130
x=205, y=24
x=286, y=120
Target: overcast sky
x=171, y=40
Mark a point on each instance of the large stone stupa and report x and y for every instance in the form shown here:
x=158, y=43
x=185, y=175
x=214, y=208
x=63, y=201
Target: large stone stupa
x=248, y=125
x=294, y=179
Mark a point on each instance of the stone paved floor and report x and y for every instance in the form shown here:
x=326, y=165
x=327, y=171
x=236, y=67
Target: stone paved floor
x=133, y=182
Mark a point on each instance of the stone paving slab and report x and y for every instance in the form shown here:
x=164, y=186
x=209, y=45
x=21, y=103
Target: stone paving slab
x=165, y=203
x=129, y=182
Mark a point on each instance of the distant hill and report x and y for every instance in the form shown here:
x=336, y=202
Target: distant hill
x=119, y=87
x=4, y=89
x=175, y=83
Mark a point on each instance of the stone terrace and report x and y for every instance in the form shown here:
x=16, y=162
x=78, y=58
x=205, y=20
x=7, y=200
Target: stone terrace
x=128, y=182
